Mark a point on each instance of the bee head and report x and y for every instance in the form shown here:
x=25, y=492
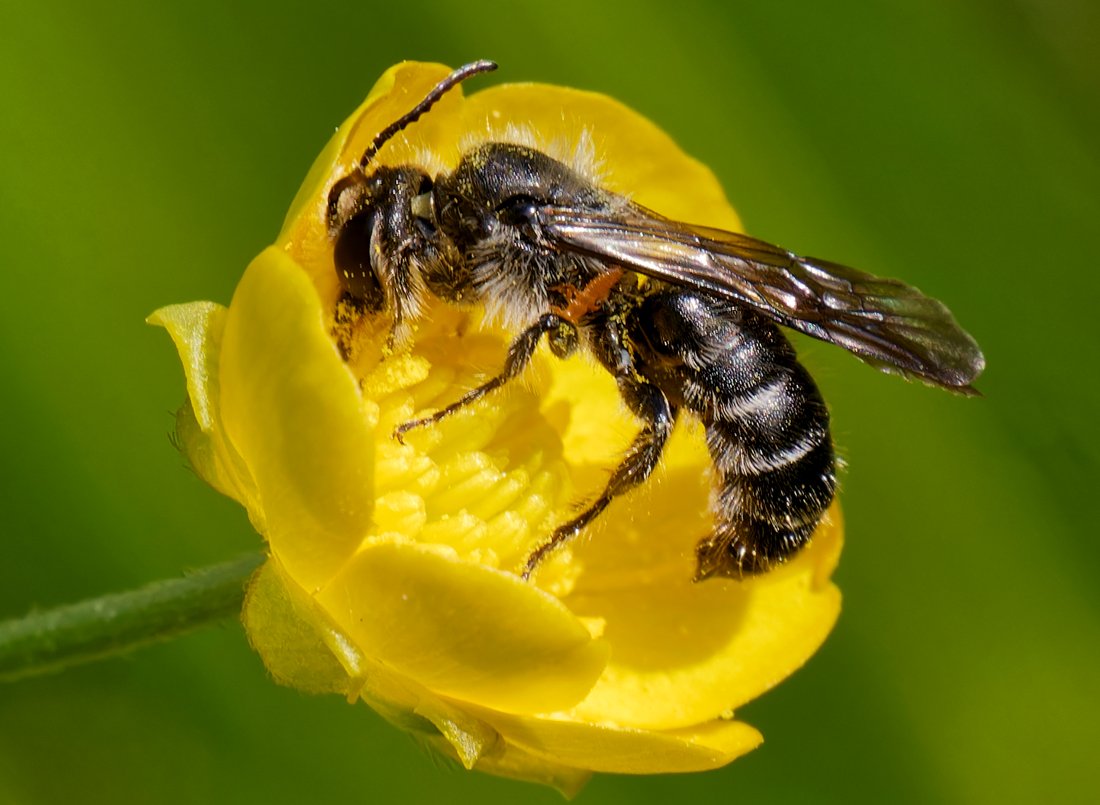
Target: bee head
x=345, y=198
x=370, y=219
x=370, y=213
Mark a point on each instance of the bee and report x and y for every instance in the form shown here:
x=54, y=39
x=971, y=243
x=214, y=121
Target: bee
x=685, y=318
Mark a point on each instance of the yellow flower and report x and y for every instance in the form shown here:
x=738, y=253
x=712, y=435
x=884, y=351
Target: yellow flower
x=392, y=569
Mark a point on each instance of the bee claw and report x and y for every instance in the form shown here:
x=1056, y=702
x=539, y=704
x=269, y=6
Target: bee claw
x=400, y=431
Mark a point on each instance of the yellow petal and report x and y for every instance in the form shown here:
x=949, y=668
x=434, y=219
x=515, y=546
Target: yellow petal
x=684, y=652
x=197, y=329
x=301, y=648
x=398, y=89
x=292, y=409
x=622, y=750
x=647, y=164
x=463, y=630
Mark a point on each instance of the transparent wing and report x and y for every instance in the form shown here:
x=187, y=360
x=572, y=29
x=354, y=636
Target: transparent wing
x=887, y=323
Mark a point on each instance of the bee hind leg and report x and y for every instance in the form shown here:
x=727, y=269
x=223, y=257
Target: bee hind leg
x=651, y=405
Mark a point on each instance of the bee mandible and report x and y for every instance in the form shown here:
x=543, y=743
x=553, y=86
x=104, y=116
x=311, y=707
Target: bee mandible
x=684, y=317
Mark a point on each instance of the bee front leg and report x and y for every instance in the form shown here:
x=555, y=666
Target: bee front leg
x=519, y=357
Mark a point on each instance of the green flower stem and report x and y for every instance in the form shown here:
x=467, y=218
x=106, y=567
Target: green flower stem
x=42, y=642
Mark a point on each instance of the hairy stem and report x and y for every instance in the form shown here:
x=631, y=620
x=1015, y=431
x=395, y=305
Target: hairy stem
x=55, y=639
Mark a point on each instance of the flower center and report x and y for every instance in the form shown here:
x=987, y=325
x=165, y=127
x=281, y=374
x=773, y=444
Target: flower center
x=488, y=480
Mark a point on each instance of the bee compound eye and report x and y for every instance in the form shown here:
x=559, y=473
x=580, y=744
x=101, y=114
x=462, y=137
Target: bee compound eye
x=351, y=256
x=344, y=198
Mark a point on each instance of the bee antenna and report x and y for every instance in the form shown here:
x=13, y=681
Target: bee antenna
x=440, y=89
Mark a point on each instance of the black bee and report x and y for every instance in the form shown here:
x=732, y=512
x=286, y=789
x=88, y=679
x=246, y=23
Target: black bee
x=684, y=317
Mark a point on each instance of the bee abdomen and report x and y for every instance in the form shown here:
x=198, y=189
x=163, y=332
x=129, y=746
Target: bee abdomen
x=767, y=428
x=775, y=424
x=776, y=473
x=776, y=476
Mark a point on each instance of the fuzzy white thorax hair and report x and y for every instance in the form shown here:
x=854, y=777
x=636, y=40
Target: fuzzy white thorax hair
x=578, y=152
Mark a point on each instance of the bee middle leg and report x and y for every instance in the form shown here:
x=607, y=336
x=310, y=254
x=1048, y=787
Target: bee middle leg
x=650, y=405
x=563, y=340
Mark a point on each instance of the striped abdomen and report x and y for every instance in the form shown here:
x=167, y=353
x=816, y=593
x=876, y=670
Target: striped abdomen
x=766, y=424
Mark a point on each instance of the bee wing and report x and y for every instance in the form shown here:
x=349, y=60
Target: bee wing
x=887, y=323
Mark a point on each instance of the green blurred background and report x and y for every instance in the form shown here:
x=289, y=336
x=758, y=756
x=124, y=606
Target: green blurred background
x=149, y=150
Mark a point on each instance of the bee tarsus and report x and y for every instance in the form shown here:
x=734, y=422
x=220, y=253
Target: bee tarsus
x=520, y=352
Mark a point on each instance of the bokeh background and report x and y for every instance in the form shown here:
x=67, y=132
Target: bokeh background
x=149, y=150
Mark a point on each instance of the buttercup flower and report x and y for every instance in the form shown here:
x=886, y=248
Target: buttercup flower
x=393, y=568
